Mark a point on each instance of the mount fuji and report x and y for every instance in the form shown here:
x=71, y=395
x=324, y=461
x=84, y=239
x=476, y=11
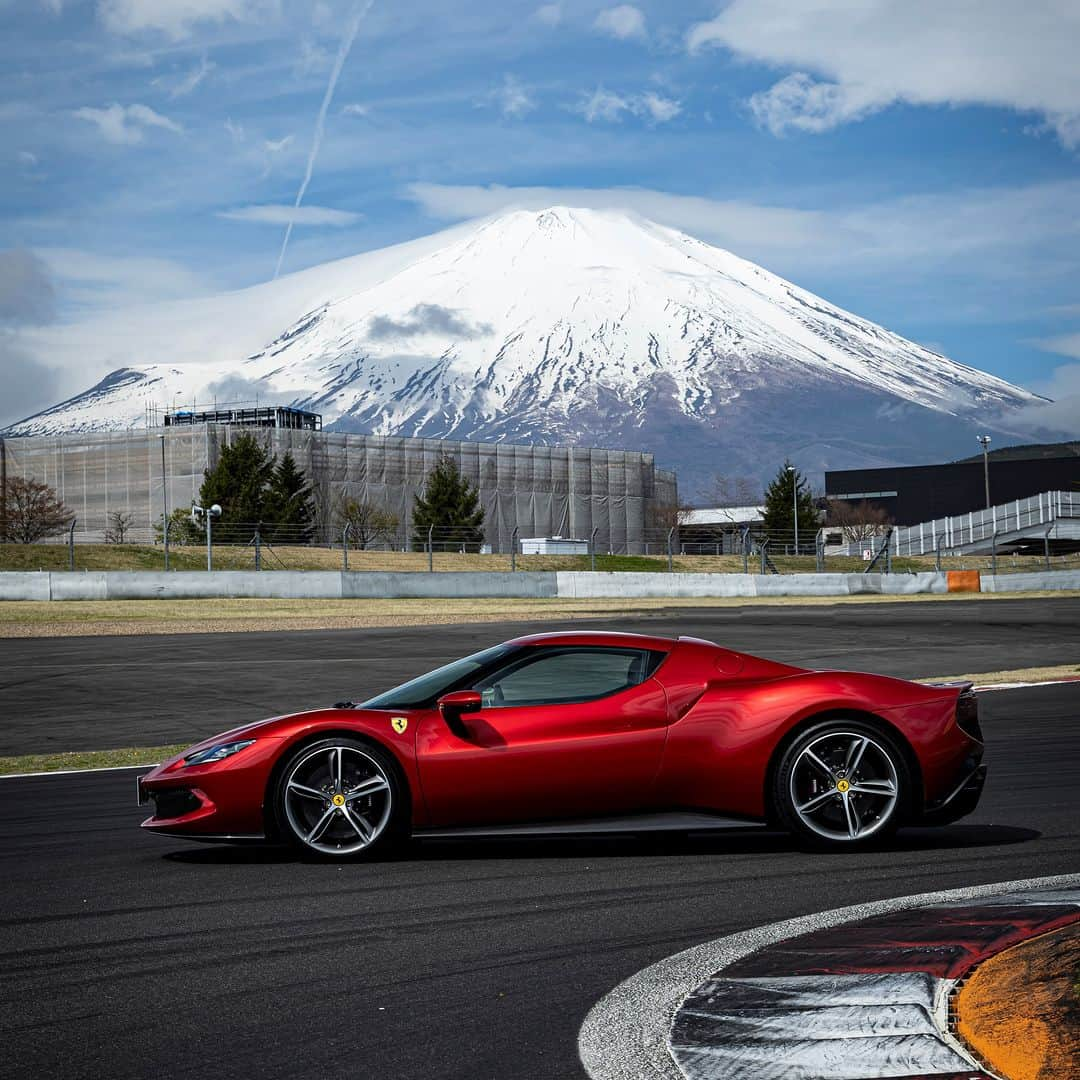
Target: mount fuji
x=586, y=327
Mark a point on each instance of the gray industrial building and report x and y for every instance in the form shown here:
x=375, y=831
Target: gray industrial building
x=539, y=490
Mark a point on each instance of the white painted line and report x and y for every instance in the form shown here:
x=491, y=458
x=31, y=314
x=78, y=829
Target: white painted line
x=1023, y=685
x=74, y=772
x=625, y=1035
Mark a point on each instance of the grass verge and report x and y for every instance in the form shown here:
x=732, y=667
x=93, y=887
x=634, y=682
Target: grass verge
x=69, y=618
x=87, y=759
x=1057, y=673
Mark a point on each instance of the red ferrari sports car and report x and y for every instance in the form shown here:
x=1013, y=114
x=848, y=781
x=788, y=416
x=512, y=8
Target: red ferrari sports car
x=576, y=731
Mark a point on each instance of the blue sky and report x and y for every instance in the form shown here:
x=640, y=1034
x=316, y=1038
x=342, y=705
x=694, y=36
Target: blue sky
x=916, y=166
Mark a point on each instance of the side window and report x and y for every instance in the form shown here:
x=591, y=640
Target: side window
x=563, y=676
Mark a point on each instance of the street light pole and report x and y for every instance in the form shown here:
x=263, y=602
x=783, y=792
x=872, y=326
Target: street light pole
x=795, y=503
x=164, y=503
x=985, y=441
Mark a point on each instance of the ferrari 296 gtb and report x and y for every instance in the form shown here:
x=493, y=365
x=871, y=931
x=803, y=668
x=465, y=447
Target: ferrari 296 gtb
x=586, y=731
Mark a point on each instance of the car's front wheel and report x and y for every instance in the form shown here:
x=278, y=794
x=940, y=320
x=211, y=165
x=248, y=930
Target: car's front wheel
x=341, y=798
x=842, y=783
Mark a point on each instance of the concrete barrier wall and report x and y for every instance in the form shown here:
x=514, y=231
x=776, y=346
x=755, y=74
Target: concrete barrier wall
x=17, y=585
x=278, y=584
x=584, y=585
x=336, y=585
x=455, y=583
x=1045, y=581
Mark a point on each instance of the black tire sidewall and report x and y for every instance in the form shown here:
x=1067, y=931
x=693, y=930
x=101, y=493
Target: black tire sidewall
x=786, y=814
x=396, y=829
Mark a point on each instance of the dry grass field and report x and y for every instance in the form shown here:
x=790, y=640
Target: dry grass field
x=151, y=557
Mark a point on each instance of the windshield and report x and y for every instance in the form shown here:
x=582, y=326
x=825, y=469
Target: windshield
x=424, y=690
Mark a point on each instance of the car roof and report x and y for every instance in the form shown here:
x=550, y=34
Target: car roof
x=598, y=638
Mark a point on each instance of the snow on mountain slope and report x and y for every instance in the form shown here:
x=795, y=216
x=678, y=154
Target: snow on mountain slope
x=586, y=326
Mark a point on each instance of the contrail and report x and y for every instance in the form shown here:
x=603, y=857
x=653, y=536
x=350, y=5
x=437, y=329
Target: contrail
x=343, y=52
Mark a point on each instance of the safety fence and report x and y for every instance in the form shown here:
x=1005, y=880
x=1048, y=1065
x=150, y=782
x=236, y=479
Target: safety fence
x=381, y=546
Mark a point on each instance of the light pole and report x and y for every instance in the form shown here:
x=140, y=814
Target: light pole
x=985, y=441
x=795, y=502
x=164, y=503
x=210, y=512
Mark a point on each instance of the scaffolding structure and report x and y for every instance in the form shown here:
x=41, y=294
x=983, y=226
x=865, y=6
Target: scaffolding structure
x=536, y=490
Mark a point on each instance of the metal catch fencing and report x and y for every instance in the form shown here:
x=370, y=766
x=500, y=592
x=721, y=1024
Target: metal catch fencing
x=362, y=546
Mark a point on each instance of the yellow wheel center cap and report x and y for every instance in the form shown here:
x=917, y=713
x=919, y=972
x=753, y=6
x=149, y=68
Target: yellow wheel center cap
x=842, y=786
x=338, y=800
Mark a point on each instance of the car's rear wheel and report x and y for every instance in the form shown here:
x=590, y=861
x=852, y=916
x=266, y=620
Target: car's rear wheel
x=341, y=798
x=842, y=783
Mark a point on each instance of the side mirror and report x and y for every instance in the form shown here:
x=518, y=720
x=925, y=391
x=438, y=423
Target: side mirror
x=453, y=706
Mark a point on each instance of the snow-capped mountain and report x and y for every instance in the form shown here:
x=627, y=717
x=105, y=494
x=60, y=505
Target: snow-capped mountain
x=561, y=326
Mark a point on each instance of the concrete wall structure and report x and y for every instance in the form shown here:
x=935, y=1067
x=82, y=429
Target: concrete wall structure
x=347, y=585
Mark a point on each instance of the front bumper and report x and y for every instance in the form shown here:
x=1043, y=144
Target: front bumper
x=218, y=800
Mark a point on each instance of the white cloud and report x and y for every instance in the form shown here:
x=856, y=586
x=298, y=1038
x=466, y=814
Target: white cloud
x=863, y=55
x=512, y=99
x=272, y=149
x=660, y=108
x=126, y=124
x=277, y=146
x=549, y=14
x=603, y=104
x=1065, y=344
x=27, y=159
x=91, y=279
x=623, y=22
x=236, y=131
x=990, y=235
x=282, y=214
x=798, y=102
x=193, y=78
x=355, y=109
x=172, y=17
x=1062, y=416
x=606, y=105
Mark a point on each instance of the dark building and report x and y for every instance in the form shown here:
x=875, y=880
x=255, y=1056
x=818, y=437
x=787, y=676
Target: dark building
x=917, y=493
x=274, y=416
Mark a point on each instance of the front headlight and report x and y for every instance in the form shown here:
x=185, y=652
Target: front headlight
x=216, y=753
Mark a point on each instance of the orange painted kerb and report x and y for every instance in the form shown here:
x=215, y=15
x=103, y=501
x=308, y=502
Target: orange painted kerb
x=1017, y=1011
x=963, y=580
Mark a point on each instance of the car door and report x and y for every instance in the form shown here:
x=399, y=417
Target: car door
x=565, y=731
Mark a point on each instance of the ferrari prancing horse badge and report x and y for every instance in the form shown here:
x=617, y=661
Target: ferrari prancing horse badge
x=399, y=724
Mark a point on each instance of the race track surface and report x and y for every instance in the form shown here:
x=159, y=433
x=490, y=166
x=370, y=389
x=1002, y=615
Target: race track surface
x=129, y=955
x=89, y=693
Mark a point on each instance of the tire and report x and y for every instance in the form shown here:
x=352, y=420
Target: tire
x=842, y=784
x=342, y=798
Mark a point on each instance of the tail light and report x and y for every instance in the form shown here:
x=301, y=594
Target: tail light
x=967, y=713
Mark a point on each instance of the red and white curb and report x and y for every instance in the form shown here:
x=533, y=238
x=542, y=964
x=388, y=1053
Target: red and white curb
x=857, y=1002
x=743, y=1007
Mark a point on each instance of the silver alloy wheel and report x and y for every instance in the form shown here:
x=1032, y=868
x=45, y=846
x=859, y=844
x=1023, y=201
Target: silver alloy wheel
x=844, y=786
x=338, y=799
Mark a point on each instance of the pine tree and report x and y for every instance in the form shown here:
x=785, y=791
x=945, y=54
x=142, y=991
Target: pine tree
x=289, y=508
x=452, y=505
x=240, y=483
x=788, y=487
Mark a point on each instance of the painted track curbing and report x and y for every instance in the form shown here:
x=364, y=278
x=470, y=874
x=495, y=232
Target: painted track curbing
x=625, y=1035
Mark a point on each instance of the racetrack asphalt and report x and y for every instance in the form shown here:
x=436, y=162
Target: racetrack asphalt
x=127, y=955
x=101, y=693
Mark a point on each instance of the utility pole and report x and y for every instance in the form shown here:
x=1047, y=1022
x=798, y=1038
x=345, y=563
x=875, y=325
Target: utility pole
x=985, y=441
